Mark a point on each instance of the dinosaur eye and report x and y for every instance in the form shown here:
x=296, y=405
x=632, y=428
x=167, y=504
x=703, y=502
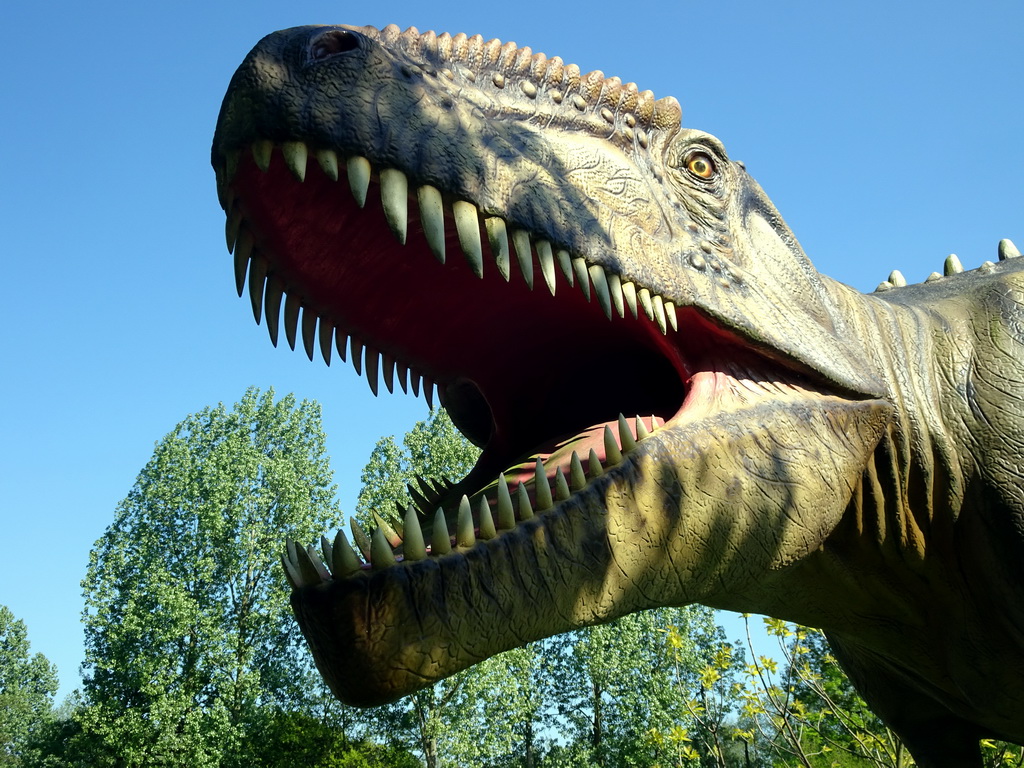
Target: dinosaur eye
x=701, y=165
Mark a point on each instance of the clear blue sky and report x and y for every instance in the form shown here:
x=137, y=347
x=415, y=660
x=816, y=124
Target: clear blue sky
x=888, y=134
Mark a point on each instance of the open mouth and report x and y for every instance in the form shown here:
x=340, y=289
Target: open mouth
x=555, y=367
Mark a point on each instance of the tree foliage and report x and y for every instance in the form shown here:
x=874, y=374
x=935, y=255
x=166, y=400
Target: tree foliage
x=621, y=689
x=187, y=625
x=805, y=712
x=28, y=683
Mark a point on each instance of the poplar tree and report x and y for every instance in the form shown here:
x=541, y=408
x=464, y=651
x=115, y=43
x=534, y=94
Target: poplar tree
x=28, y=683
x=189, y=638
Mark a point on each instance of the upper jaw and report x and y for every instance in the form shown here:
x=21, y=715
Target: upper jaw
x=484, y=241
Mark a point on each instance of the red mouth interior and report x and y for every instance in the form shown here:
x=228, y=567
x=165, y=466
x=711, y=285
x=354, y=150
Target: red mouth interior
x=518, y=369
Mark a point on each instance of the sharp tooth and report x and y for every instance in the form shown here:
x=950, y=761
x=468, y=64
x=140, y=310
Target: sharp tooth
x=594, y=465
x=486, y=521
x=360, y=538
x=414, y=383
x=261, y=152
x=420, y=499
x=615, y=290
x=328, y=551
x=896, y=278
x=319, y=570
x=232, y=224
x=629, y=293
x=414, y=548
x=565, y=264
x=309, y=319
x=257, y=281
x=600, y=281
x=659, y=313
x=540, y=481
x=302, y=572
x=428, y=392
x=497, y=237
x=326, y=339
x=521, y=241
x=372, y=369
x=1007, y=250
x=464, y=535
x=389, y=372
x=309, y=574
x=626, y=437
x=328, y=160
x=612, y=455
x=467, y=224
x=546, y=259
x=291, y=317
x=440, y=541
x=432, y=218
x=358, y=169
x=243, y=250
x=641, y=429
x=579, y=266
x=506, y=514
x=561, y=486
x=576, y=474
x=402, y=373
x=525, y=509
x=670, y=313
x=344, y=559
x=272, y=306
x=394, y=196
x=291, y=569
x=645, y=301
x=357, y=355
x=390, y=535
x=341, y=343
x=381, y=554
x=295, y=156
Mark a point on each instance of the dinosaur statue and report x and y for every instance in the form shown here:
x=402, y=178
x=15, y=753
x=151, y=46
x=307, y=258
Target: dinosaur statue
x=547, y=250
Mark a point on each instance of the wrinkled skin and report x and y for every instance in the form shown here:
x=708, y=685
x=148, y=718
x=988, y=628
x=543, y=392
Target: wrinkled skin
x=571, y=252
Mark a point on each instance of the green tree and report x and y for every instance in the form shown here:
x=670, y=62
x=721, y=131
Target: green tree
x=27, y=685
x=188, y=632
x=620, y=689
x=808, y=713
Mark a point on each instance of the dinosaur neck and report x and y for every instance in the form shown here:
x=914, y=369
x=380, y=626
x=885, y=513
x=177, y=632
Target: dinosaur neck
x=911, y=492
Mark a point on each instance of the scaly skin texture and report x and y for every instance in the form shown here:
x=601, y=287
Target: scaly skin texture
x=549, y=250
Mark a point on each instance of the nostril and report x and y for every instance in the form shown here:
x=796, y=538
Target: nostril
x=331, y=43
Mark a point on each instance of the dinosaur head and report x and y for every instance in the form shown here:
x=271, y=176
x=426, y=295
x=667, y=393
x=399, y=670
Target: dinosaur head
x=553, y=253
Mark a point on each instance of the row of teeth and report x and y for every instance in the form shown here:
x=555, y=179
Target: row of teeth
x=615, y=296
x=305, y=567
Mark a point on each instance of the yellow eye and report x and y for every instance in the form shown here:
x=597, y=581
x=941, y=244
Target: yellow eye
x=700, y=165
